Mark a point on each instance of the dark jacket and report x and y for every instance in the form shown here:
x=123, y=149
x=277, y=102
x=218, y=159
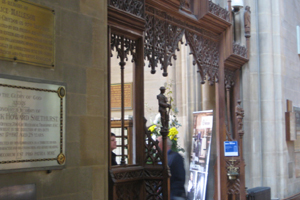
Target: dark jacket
x=177, y=180
x=113, y=159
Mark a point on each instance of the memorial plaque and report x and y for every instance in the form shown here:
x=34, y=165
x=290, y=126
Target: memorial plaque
x=115, y=91
x=32, y=124
x=26, y=33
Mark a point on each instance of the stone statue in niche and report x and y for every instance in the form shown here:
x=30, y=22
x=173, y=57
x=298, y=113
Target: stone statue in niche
x=163, y=105
x=247, y=21
x=239, y=112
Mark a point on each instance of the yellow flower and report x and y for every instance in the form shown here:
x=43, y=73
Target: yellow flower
x=171, y=137
x=173, y=131
x=175, y=138
x=152, y=128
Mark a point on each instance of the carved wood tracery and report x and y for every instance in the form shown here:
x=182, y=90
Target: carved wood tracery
x=161, y=41
x=219, y=11
x=129, y=191
x=135, y=7
x=240, y=50
x=128, y=175
x=162, y=38
x=237, y=58
x=153, y=190
x=206, y=55
x=154, y=182
x=123, y=46
x=233, y=185
x=229, y=78
x=153, y=153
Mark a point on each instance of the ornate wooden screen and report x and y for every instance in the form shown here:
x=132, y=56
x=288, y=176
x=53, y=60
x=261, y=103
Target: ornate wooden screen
x=151, y=30
x=126, y=21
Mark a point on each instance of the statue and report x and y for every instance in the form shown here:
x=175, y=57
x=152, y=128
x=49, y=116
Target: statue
x=247, y=21
x=239, y=112
x=163, y=105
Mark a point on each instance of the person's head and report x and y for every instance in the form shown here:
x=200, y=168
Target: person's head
x=113, y=142
x=160, y=142
x=162, y=89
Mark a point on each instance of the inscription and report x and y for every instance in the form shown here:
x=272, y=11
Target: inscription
x=27, y=33
x=30, y=125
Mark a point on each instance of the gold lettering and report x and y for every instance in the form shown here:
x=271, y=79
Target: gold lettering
x=22, y=14
x=4, y=10
x=14, y=4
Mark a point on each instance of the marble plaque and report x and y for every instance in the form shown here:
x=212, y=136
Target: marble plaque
x=32, y=124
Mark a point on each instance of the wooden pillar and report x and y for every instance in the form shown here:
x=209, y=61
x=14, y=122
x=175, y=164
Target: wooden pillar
x=122, y=64
x=166, y=180
x=237, y=136
x=220, y=176
x=139, y=121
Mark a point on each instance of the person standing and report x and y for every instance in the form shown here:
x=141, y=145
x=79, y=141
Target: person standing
x=113, y=146
x=176, y=165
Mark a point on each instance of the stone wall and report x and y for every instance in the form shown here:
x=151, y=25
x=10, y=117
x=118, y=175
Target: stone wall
x=289, y=19
x=269, y=79
x=81, y=64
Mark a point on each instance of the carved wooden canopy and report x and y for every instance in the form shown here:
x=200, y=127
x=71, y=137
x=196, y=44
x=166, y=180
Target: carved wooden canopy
x=165, y=22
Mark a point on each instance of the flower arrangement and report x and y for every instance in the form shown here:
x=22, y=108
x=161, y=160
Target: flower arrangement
x=173, y=132
x=173, y=137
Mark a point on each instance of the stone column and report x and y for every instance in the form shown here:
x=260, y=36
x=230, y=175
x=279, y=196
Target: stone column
x=208, y=97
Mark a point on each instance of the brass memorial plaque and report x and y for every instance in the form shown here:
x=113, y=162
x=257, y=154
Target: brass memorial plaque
x=115, y=91
x=32, y=125
x=26, y=33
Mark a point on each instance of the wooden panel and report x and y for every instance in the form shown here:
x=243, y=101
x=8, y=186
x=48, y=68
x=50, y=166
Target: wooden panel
x=290, y=126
